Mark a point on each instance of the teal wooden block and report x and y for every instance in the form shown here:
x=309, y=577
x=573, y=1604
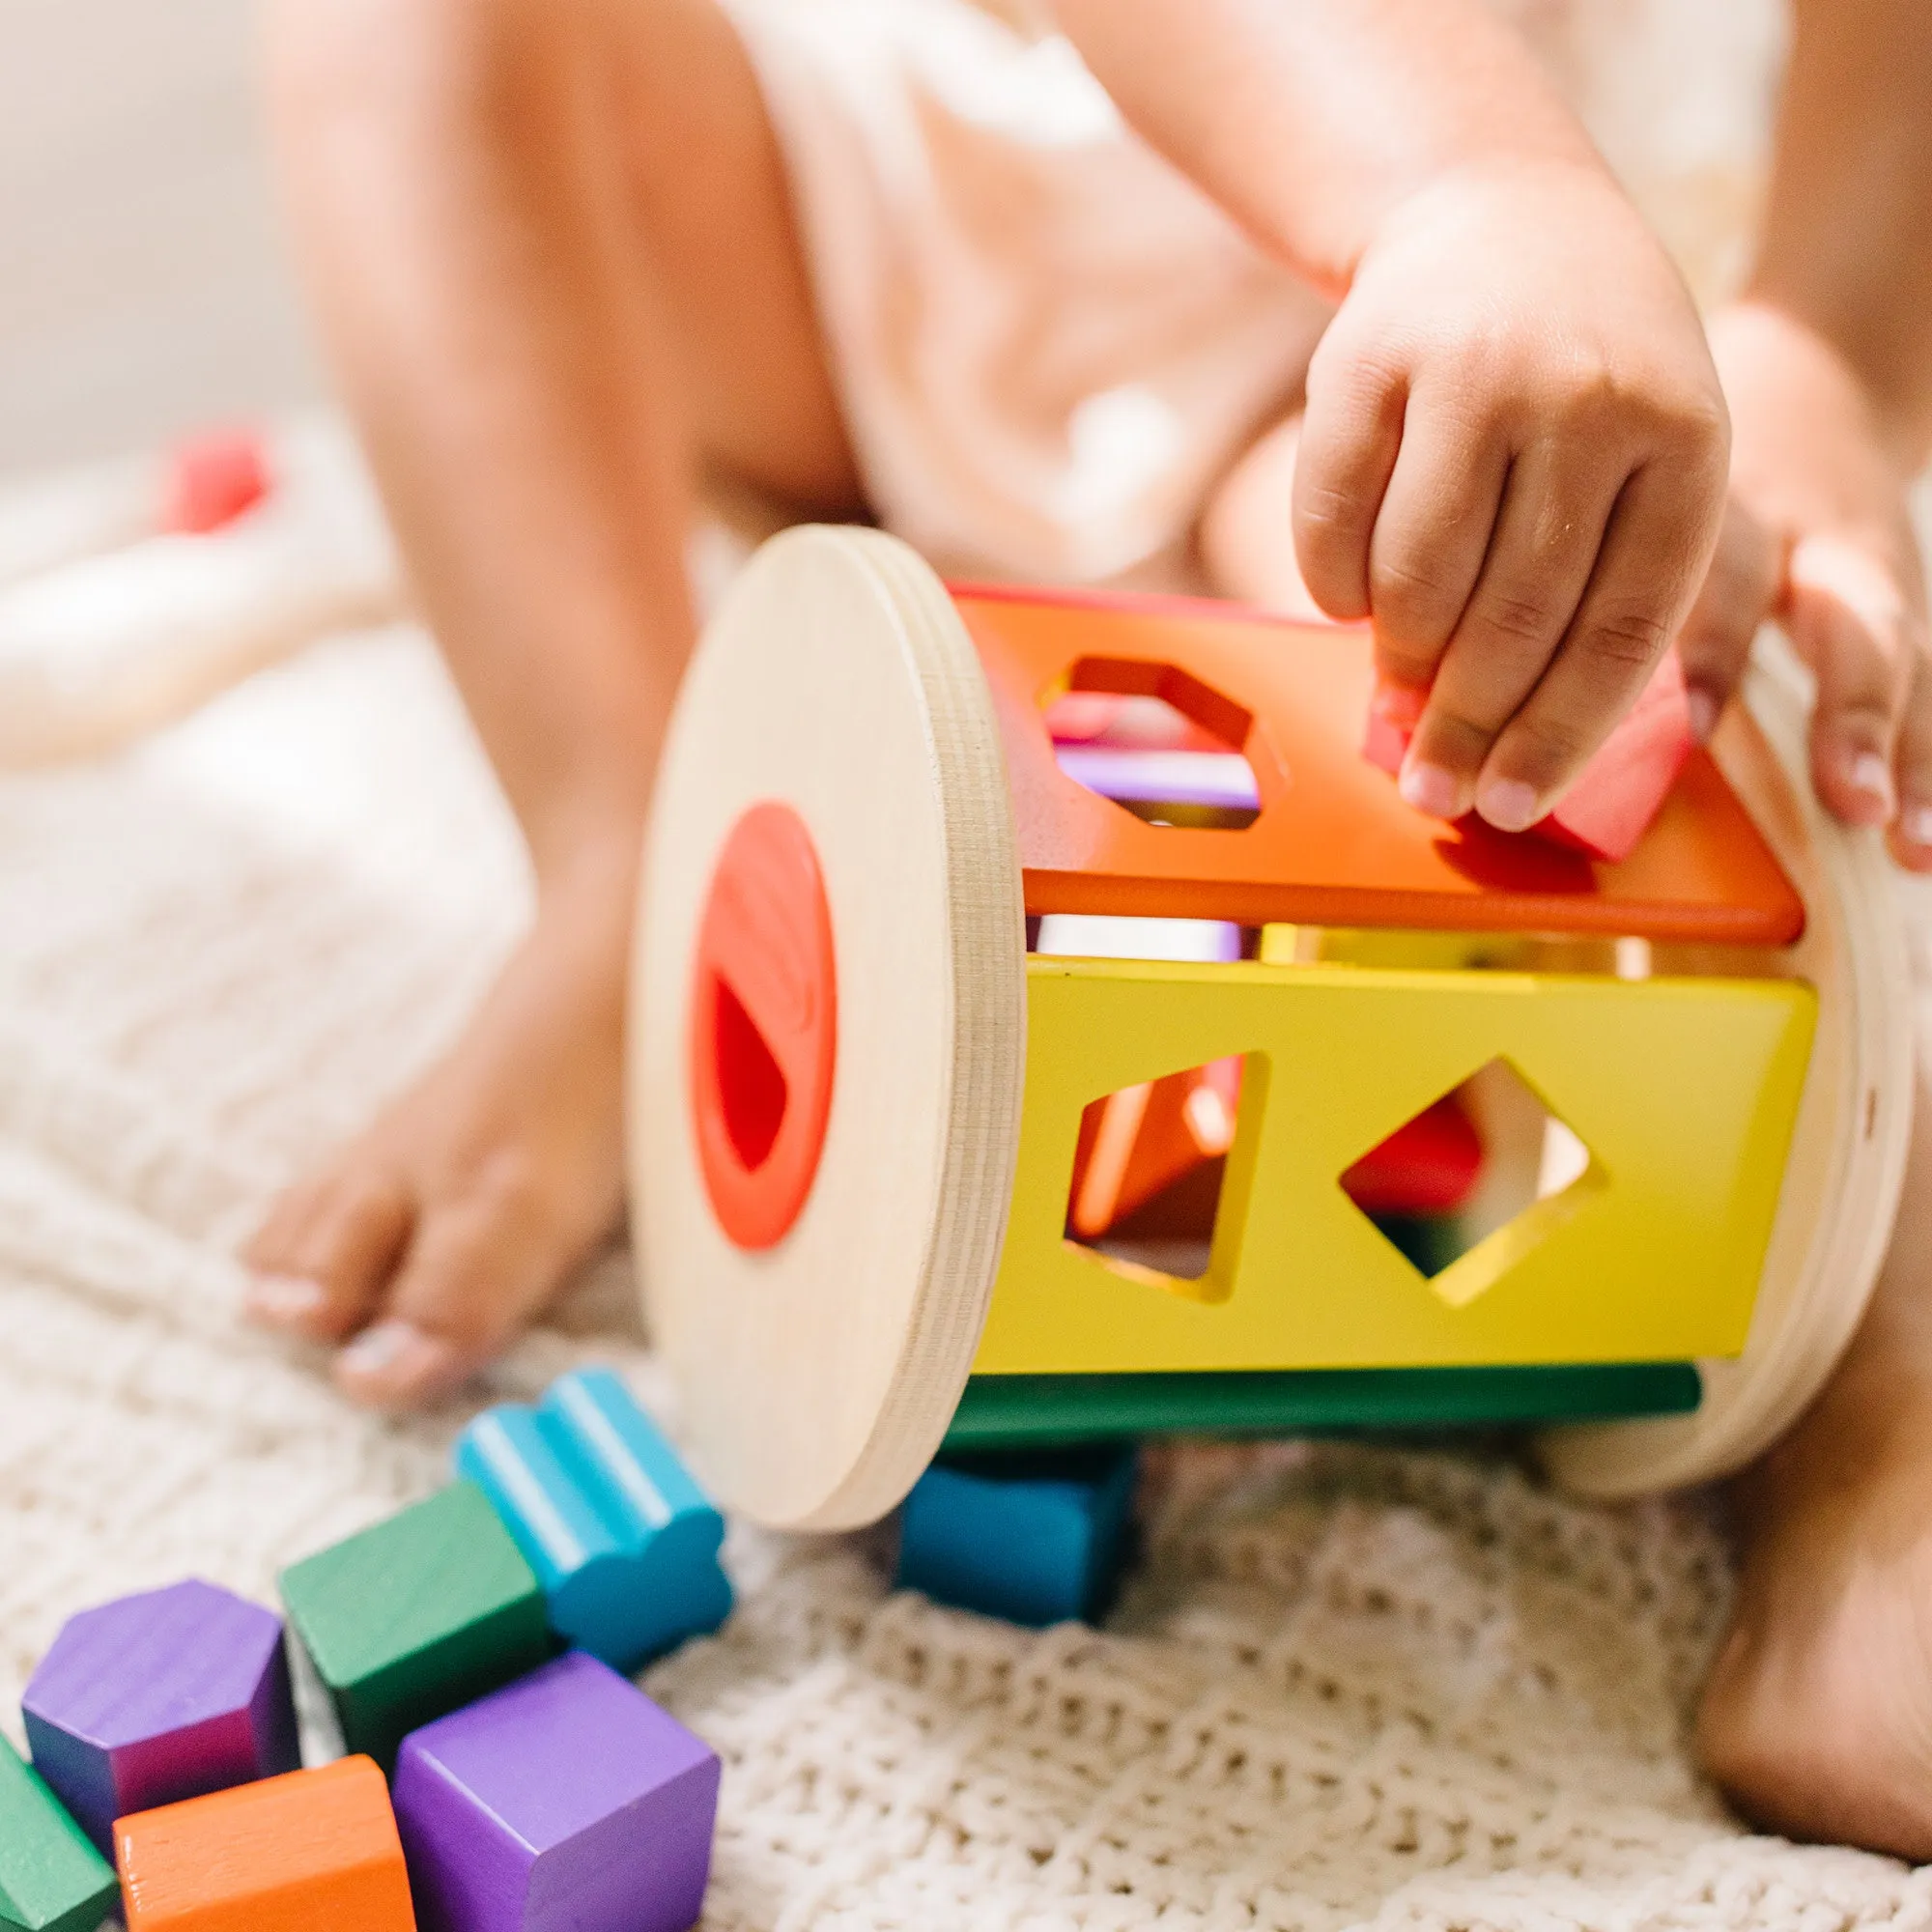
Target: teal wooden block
x=416, y=1615
x=51, y=1879
x=1036, y=1538
x=623, y=1541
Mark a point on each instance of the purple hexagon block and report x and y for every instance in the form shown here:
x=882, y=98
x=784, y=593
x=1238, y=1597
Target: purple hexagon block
x=566, y=1801
x=156, y=1697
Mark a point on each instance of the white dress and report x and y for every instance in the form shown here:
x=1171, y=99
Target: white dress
x=1048, y=344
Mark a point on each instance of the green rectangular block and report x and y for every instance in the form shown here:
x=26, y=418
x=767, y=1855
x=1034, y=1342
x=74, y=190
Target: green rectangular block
x=1017, y=1412
x=51, y=1879
x=416, y=1617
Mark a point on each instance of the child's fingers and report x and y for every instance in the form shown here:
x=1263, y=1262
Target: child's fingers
x=1654, y=553
x=1427, y=550
x=1739, y=591
x=1546, y=539
x=1352, y=432
x=1912, y=833
x=1852, y=621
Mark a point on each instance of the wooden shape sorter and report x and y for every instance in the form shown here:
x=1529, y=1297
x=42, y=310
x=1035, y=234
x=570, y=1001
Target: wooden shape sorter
x=313, y=1850
x=623, y=1541
x=1709, y=1040
x=156, y=1697
x=51, y=1879
x=415, y=1615
x=567, y=1802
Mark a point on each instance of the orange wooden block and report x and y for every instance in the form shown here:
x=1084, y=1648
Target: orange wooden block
x=1143, y=1139
x=314, y=1851
x=1334, y=843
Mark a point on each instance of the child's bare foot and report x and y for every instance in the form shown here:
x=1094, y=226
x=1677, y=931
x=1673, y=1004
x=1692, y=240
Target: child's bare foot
x=441, y=1230
x=1817, y=1718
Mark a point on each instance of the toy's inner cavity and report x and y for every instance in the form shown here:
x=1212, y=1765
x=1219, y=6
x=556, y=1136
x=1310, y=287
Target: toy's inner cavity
x=764, y=1035
x=749, y=1084
x=1156, y=742
x=1463, y=1185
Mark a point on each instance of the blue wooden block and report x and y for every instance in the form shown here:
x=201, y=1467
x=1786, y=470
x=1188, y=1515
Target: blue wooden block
x=1036, y=1538
x=623, y=1541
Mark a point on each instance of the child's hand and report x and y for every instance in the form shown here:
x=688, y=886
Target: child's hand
x=1818, y=535
x=1514, y=462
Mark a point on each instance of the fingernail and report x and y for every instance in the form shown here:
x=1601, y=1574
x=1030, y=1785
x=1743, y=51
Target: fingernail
x=1703, y=710
x=1430, y=788
x=1869, y=774
x=1915, y=823
x=1508, y=804
x=396, y=1353
x=283, y=1297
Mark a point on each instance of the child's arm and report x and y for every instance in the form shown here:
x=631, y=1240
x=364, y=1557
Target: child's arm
x=1515, y=448
x=1828, y=363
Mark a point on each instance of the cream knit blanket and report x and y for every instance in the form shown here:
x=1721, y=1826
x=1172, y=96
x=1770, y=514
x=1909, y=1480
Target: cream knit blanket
x=1349, y=1685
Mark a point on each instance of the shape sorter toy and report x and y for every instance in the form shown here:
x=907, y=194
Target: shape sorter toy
x=156, y=1697
x=871, y=1043
x=624, y=1543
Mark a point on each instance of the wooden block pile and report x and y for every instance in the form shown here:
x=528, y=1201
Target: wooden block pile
x=534, y=1789
x=501, y=1775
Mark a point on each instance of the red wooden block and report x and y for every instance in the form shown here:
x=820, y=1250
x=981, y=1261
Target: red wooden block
x=313, y=1850
x=1621, y=790
x=1429, y=1165
x=213, y=479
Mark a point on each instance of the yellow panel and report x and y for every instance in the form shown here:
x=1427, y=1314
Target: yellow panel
x=1685, y=1092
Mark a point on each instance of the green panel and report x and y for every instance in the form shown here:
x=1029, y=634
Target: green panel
x=421, y=1614
x=51, y=1879
x=1000, y=1410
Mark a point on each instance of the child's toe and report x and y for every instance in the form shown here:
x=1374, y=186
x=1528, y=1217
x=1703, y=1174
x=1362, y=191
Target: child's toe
x=480, y=1266
x=327, y=1250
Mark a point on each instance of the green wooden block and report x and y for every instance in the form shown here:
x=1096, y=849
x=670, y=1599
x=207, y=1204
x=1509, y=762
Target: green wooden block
x=51, y=1879
x=416, y=1617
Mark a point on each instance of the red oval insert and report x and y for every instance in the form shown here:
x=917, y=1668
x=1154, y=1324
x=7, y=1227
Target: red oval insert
x=764, y=1025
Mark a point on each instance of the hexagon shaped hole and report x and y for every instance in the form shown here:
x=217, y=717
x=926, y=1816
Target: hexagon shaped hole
x=1148, y=1170
x=1465, y=1187
x=1155, y=740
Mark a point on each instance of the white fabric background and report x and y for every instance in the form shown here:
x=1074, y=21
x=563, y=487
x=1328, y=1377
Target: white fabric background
x=1349, y=1686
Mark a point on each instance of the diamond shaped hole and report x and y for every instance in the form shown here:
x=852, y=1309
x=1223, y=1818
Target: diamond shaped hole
x=1469, y=1186
x=1147, y=1175
x=1154, y=740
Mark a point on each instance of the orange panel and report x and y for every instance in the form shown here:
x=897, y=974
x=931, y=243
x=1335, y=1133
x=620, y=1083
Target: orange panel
x=1334, y=844
x=314, y=1851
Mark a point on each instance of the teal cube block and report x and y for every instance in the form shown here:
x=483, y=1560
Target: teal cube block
x=622, y=1540
x=1036, y=1538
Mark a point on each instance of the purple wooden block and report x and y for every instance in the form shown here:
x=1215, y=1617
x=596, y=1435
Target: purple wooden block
x=565, y=1803
x=159, y=1697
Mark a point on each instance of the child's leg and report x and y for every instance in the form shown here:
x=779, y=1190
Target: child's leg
x=1817, y=1718
x=554, y=255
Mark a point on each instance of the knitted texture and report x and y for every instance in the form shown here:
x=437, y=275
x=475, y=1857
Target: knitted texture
x=1349, y=1685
